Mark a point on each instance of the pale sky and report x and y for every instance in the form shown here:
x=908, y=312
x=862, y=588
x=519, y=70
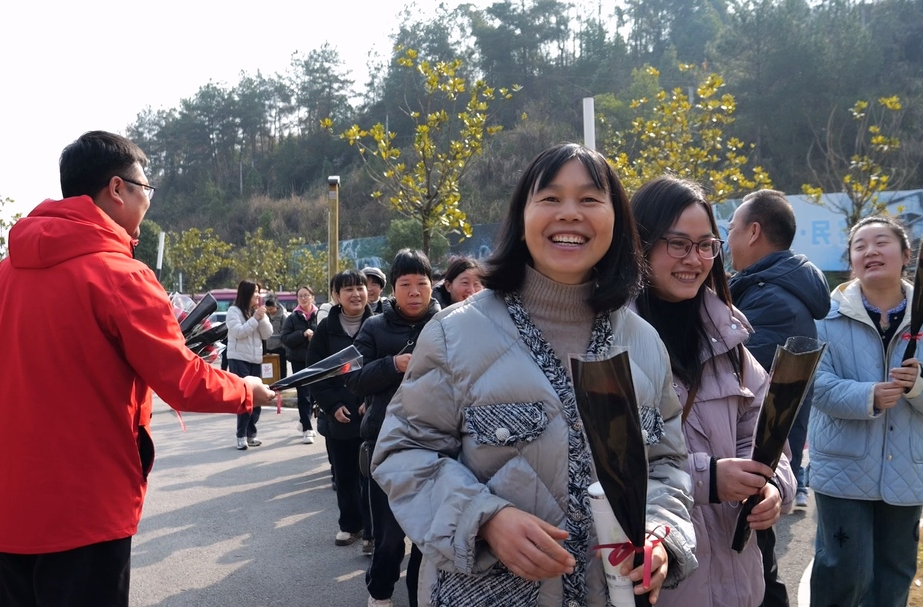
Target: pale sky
x=72, y=67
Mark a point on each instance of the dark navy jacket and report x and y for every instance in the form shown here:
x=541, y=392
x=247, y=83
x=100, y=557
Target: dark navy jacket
x=381, y=338
x=331, y=394
x=781, y=295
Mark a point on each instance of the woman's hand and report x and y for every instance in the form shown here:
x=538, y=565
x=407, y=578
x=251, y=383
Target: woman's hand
x=767, y=512
x=659, y=567
x=308, y=334
x=342, y=415
x=260, y=313
x=887, y=393
x=401, y=362
x=906, y=375
x=527, y=545
x=739, y=478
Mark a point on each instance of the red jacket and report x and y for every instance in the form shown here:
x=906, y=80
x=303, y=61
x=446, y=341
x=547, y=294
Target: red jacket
x=86, y=332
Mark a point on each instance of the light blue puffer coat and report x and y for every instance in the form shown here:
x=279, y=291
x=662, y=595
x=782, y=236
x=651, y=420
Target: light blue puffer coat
x=858, y=452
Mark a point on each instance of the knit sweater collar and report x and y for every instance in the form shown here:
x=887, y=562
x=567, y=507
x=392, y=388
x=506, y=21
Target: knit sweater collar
x=554, y=301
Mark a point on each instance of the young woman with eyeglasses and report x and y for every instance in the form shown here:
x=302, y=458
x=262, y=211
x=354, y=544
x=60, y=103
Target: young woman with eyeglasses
x=719, y=384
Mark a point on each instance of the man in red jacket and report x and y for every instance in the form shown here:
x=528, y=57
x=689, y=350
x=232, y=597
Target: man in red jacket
x=76, y=447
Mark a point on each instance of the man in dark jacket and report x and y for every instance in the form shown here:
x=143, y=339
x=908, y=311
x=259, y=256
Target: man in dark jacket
x=386, y=342
x=781, y=295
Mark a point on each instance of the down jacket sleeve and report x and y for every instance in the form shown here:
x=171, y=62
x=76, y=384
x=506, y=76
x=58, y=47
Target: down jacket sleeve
x=669, y=487
x=835, y=394
x=416, y=464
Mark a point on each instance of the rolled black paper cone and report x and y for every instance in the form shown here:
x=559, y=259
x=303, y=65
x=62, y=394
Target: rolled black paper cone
x=641, y=600
x=916, y=306
x=205, y=308
x=792, y=375
x=611, y=420
x=345, y=361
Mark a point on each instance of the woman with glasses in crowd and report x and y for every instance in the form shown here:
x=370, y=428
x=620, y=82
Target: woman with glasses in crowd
x=866, y=430
x=720, y=385
x=297, y=331
x=483, y=453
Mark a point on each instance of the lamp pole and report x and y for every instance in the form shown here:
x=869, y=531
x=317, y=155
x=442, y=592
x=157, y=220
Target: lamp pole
x=333, y=226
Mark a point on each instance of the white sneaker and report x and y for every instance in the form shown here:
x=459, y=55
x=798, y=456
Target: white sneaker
x=345, y=538
x=310, y=432
x=379, y=602
x=308, y=438
x=801, y=500
x=242, y=443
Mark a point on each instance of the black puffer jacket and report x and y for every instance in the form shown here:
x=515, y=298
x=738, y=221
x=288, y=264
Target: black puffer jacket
x=296, y=344
x=381, y=338
x=331, y=394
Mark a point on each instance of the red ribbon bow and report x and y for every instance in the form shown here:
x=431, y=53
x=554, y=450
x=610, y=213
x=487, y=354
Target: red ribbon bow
x=915, y=338
x=622, y=551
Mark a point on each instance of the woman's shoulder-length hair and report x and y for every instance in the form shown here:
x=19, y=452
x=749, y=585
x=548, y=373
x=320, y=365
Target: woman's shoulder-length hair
x=618, y=273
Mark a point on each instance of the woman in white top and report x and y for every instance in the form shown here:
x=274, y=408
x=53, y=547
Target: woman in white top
x=248, y=325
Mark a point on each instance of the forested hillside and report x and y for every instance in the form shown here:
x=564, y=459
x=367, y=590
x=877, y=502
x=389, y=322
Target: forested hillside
x=256, y=153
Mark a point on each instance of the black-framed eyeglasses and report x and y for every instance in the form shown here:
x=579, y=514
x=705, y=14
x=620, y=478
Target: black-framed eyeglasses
x=148, y=189
x=679, y=247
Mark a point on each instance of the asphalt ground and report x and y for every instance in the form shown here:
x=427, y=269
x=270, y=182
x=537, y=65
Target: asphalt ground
x=256, y=528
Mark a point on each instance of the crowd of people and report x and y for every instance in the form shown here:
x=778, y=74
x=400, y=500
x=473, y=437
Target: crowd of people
x=461, y=430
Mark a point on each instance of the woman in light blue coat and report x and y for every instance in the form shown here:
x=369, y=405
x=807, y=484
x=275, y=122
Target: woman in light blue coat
x=866, y=430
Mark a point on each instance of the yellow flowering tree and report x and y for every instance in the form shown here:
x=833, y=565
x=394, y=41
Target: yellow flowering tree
x=451, y=118
x=682, y=132
x=873, y=162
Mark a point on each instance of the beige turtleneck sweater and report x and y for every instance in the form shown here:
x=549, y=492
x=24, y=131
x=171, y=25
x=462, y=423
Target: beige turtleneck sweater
x=561, y=312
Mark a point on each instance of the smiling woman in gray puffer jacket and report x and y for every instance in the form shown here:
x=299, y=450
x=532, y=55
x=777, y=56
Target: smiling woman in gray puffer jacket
x=482, y=452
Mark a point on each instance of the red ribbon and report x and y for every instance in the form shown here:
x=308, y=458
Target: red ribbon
x=915, y=338
x=182, y=424
x=622, y=551
x=279, y=402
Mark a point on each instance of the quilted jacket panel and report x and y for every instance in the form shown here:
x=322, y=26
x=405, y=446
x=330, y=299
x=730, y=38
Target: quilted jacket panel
x=857, y=451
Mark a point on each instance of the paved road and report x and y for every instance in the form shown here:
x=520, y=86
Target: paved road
x=255, y=528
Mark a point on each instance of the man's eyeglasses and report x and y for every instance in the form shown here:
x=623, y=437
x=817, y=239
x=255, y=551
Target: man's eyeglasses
x=679, y=247
x=148, y=189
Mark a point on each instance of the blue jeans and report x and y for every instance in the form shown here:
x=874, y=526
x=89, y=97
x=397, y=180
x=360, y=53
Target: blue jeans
x=796, y=440
x=866, y=553
x=246, y=422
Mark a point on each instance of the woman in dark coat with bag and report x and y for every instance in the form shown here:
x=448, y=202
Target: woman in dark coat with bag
x=342, y=409
x=297, y=331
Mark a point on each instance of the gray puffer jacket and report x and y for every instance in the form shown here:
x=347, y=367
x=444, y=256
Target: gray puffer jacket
x=477, y=426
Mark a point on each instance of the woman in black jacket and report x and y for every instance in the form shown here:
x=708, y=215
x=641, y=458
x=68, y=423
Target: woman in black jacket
x=297, y=331
x=343, y=409
x=386, y=341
